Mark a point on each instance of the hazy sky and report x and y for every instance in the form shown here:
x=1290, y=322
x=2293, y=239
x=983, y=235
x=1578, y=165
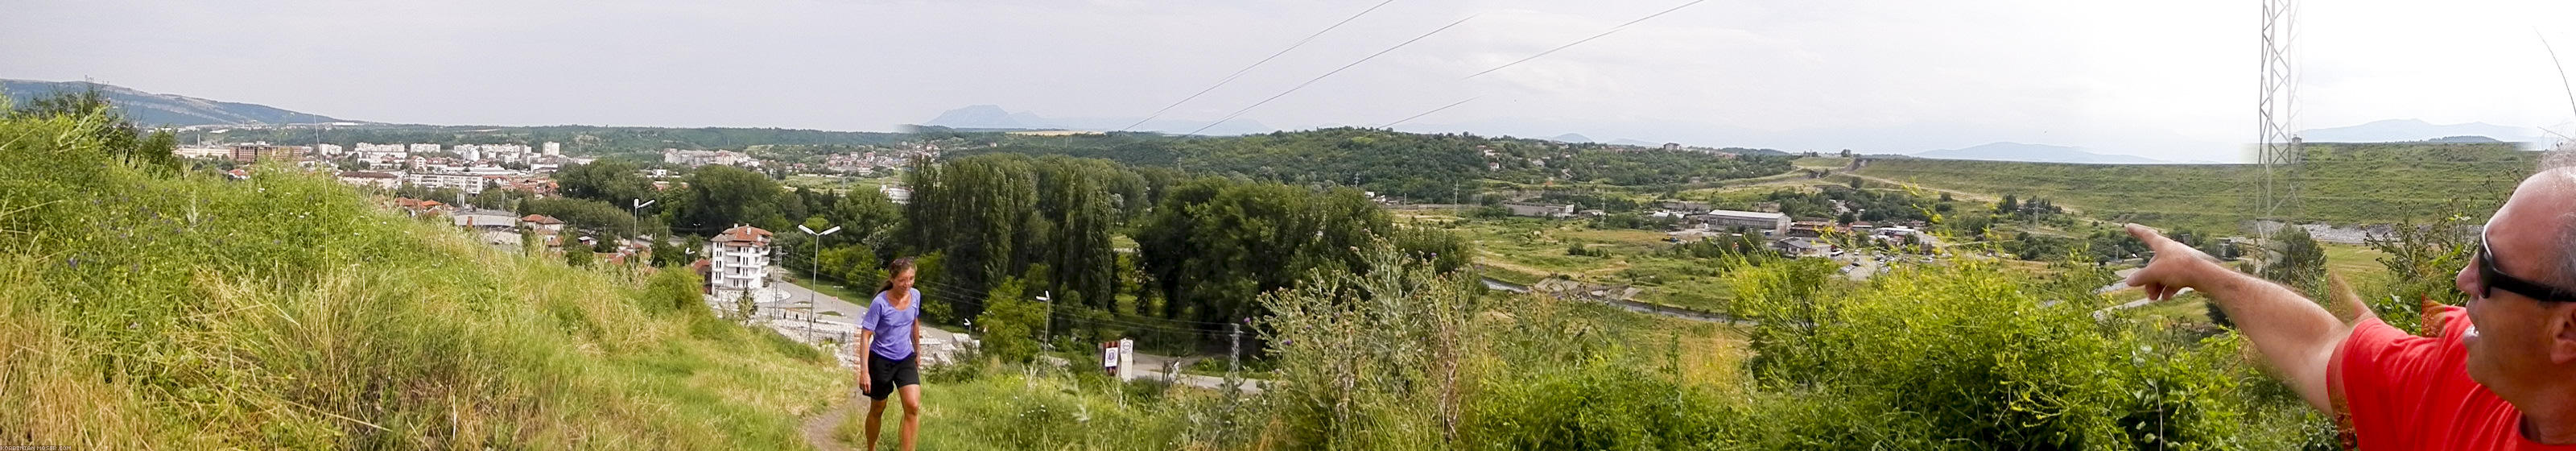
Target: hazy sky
x=2172, y=80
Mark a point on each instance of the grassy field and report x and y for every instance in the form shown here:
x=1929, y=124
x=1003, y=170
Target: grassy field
x=2342, y=184
x=1525, y=250
x=1820, y=162
x=147, y=309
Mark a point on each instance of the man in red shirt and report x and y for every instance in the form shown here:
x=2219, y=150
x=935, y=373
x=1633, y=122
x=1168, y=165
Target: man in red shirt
x=2502, y=375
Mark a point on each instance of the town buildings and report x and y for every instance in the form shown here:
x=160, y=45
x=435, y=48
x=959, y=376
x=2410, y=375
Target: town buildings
x=251, y=153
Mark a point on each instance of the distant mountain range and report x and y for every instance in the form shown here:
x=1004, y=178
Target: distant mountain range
x=2402, y=130
x=2038, y=153
x=166, y=109
x=1572, y=138
x=993, y=117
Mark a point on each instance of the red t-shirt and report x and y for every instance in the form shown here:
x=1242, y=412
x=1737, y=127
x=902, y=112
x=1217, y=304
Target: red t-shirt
x=2400, y=391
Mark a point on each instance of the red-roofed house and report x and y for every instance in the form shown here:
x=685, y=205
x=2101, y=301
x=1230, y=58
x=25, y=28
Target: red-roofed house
x=542, y=223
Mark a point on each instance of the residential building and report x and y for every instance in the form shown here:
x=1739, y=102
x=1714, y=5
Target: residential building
x=469, y=183
x=1812, y=229
x=1802, y=247
x=542, y=224
x=417, y=207
x=374, y=179
x=900, y=195
x=205, y=152
x=554, y=149
x=738, y=262
x=328, y=150
x=249, y=153
x=1540, y=210
x=485, y=219
x=424, y=148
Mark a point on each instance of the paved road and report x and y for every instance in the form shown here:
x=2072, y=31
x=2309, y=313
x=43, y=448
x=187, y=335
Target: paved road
x=788, y=315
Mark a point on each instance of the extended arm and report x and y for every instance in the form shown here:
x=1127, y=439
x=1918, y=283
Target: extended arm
x=2296, y=337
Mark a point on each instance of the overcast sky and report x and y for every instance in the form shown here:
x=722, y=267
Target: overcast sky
x=2171, y=80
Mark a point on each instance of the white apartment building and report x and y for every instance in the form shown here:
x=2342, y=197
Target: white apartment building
x=424, y=148
x=375, y=179
x=554, y=148
x=738, y=262
x=469, y=183
x=205, y=152
x=327, y=149
x=384, y=159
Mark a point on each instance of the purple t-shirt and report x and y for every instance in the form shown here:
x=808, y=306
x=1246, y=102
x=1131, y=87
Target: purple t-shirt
x=892, y=326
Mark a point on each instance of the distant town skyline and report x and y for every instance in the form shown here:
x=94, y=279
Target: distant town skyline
x=2171, y=81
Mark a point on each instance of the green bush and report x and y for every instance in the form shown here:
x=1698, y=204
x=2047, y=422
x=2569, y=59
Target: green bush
x=1011, y=323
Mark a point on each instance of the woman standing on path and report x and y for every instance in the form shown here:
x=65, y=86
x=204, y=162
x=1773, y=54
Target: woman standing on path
x=892, y=335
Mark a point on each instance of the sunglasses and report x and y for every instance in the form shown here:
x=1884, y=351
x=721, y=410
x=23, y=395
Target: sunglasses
x=2491, y=278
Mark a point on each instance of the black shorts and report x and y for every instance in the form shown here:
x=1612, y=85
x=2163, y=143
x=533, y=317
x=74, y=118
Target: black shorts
x=885, y=375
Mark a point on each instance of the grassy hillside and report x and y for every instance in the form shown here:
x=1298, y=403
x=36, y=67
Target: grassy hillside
x=2343, y=184
x=144, y=310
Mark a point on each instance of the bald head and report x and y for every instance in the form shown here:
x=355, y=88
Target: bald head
x=2541, y=215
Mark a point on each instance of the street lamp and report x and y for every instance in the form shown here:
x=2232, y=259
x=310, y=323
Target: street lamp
x=1046, y=339
x=815, y=271
x=634, y=228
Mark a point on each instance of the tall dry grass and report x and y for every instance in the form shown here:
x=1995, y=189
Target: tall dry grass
x=185, y=311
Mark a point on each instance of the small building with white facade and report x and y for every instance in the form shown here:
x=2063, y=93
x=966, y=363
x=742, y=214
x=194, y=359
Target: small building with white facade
x=1775, y=223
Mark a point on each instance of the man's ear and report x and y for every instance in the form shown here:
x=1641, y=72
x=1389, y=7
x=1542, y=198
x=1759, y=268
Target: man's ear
x=2562, y=333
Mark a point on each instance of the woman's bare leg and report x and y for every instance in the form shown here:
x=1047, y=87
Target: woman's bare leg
x=911, y=414
x=876, y=410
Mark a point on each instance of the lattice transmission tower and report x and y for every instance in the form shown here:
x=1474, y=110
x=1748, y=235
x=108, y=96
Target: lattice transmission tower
x=2277, y=143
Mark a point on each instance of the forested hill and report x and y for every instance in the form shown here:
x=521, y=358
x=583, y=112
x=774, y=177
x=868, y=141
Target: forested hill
x=1443, y=167
x=163, y=109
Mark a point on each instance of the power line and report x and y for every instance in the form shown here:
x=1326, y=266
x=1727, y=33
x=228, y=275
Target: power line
x=1328, y=74
x=1239, y=72
x=1053, y=306
x=1581, y=41
x=1391, y=125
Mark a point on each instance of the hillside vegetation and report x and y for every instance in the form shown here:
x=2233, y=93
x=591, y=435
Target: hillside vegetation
x=2342, y=184
x=1432, y=168
x=142, y=307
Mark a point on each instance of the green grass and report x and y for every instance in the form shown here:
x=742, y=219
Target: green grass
x=1030, y=407
x=1526, y=250
x=144, y=309
x=1820, y=162
x=2342, y=184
